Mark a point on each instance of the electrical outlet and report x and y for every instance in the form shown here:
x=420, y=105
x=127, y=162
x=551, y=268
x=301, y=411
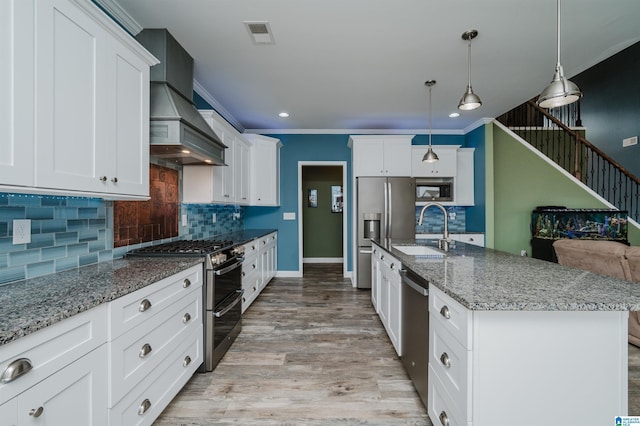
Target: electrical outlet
x=214, y=218
x=22, y=231
x=184, y=220
x=236, y=215
x=523, y=253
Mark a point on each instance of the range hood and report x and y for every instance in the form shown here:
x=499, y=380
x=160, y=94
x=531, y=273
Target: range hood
x=177, y=130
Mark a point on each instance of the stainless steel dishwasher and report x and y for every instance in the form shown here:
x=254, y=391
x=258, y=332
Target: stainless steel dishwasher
x=415, y=330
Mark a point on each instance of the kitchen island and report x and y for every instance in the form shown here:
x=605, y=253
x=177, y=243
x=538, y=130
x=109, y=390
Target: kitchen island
x=515, y=340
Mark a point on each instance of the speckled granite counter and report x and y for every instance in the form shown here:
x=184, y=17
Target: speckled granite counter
x=485, y=279
x=246, y=235
x=30, y=305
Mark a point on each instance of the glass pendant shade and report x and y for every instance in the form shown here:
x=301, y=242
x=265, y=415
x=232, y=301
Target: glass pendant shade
x=560, y=91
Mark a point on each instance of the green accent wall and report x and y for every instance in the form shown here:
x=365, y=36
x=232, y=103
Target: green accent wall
x=322, y=229
x=521, y=182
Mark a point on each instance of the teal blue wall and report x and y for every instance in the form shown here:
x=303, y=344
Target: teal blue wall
x=476, y=215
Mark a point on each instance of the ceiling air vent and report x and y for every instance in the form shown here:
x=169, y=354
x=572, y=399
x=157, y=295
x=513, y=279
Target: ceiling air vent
x=260, y=32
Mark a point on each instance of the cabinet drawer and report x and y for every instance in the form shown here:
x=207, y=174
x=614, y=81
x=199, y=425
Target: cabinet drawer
x=161, y=387
x=390, y=261
x=251, y=248
x=52, y=348
x=138, y=353
x=133, y=309
x=440, y=406
x=450, y=315
x=450, y=360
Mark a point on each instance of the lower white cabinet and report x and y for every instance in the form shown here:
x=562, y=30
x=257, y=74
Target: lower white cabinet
x=388, y=287
x=476, y=239
x=539, y=367
x=259, y=266
x=151, y=358
x=66, y=380
x=375, y=278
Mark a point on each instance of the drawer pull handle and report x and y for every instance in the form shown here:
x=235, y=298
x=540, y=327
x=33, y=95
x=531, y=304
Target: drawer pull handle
x=445, y=360
x=186, y=318
x=393, y=265
x=253, y=266
x=36, y=412
x=186, y=283
x=16, y=369
x=444, y=311
x=187, y=361
x=103, y=178
x=144, y=305
x=144, y=407
x=382, y=257
x=444, y=419
x=244, y=273
x=145, y=350
x=114, y=179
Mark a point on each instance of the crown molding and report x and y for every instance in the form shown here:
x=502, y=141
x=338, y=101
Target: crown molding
x=204, y=93
x=120, y=15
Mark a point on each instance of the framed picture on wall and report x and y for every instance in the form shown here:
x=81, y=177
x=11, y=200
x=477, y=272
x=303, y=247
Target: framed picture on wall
x=312, y=198
x=336, y=199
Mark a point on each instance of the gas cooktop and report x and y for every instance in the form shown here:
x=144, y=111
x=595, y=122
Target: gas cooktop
x=185, y=247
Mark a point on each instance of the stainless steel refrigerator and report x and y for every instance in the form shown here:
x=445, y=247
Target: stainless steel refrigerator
x=385, y=209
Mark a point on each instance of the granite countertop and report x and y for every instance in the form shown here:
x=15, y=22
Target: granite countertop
x=246, y=235
x=29, y=305
x=485, y=279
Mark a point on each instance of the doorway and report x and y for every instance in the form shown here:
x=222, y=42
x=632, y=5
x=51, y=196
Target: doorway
x=322, y=225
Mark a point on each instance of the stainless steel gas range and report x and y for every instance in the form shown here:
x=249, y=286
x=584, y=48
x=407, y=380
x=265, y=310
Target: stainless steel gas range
x=222, y=290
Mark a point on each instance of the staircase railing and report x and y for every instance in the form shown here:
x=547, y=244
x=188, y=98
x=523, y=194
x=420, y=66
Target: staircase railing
x=567, y=147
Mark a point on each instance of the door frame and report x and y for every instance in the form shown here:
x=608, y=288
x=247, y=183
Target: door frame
x=301, y=198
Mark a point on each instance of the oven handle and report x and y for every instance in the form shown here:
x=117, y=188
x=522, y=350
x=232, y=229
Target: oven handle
x=230, y=267
x=226, y=309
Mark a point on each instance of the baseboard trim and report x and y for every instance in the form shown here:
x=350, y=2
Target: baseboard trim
x=288, y=274
x=323, y=260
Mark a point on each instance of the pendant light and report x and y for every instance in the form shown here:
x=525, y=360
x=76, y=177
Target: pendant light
x=560, y=91
x=469, y=100
x=430, y=156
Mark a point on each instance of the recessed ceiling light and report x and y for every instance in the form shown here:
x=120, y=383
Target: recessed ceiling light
x=208, y=161
x=454, y=114
x=186, y=151
x=283, y=114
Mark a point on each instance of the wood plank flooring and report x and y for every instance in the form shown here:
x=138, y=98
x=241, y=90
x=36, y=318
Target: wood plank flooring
x=313, y=352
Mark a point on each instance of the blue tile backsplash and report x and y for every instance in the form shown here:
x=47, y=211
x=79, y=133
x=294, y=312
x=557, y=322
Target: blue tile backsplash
x=69, y=232
x=433, y=223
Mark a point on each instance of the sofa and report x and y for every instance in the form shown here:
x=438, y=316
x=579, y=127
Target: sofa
x=610, y=258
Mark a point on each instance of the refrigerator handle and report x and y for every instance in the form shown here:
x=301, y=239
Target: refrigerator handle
x=386, y=211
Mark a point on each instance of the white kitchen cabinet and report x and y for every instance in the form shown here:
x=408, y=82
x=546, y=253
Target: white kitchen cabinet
x=265, y=170
x=74, y=395
x=464, y=181
x=67, y=362
x=381, y=155
x=16, y=93
x=241, y=168
x=9, y=412
x=259, y=266
x=390, y=297
x=477, y=380
x=475, y=238
x=446, y=166
x=86, y=123
x=375, y=278
x=147, y=327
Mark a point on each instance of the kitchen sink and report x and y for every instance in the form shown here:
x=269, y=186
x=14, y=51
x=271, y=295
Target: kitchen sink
x=420, y=251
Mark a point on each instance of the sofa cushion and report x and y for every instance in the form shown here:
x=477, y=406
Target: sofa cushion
x=601, y=257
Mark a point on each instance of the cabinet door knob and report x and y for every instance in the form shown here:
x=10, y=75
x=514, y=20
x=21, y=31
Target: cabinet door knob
x=144, y=305
x=186, y=283
x=114, y=179
x=444, y=311
x=444, y=359
x=103, y=178
x=16, y=369
x=187, y=361
x=145, y=350
x=444, y=419
x=186, y=318
x=144, y=407
x=36, y=412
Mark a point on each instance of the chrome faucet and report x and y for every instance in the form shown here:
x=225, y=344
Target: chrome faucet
x=443, y=243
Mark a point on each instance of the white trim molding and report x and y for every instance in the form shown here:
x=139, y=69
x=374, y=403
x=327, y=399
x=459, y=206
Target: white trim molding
x=323, y=260
x=113, y=8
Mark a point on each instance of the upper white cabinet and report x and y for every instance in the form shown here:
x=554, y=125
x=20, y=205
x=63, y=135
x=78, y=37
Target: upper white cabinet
x=464, y=181
x=446, y=166
x=381, y=155
x=220, y=184
x=16, y=93
x=89, y=108
x=265, y=170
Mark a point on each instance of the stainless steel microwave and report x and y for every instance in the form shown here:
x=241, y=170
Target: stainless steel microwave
x=434, y=189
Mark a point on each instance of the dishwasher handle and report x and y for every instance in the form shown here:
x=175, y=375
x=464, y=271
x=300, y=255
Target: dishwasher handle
x=414, y=285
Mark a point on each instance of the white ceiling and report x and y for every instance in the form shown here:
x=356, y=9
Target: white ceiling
x=361, y=64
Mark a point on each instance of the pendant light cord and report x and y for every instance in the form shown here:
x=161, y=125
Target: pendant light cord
x=469, y=64
x=558, y=24
x=429, y=116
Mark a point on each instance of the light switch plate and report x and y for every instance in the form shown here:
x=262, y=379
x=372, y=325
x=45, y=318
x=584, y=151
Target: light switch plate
x=214, y=218
x=184, y=220
x=289, y=216
x=22, y=231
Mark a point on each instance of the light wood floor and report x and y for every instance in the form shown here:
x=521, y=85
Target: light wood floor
x=313, y=352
